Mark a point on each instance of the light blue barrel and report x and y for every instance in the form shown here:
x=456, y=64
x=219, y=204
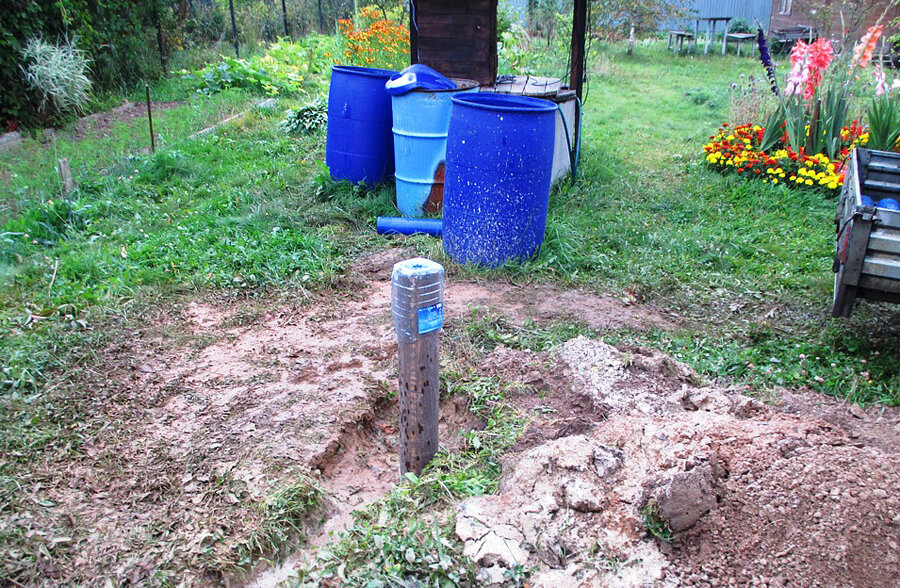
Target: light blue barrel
x=421, y=118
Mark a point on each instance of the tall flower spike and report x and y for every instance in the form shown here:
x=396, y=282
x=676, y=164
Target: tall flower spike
x=865, y=48
x=880, y=81
x=766, y=58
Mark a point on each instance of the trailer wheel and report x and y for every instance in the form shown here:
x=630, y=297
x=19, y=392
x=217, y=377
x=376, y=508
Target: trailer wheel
x=844, y=296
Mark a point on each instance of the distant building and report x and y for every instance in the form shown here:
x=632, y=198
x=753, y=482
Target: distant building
x=833, y=19
x=753, y=12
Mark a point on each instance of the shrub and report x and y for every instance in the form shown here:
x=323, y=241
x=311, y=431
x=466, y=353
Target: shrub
x=286, y=69
x=740, y=25
x=58, y=72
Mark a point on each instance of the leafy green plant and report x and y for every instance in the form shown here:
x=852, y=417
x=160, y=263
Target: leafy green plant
x=287, y=68
x=883, y=115
x=774, y=128
x=58, y=71
x=656, y=523
x=739, y=25
x=834, y=105
x=307, y=119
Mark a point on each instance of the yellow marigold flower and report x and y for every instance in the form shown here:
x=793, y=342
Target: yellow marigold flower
x=774, y=180
x=809, y=182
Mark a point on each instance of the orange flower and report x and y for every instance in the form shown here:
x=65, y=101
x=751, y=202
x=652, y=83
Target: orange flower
x=863, y=51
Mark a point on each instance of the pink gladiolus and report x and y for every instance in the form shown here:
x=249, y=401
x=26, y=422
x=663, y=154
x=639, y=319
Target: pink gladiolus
x=807, y=63
x=820, y=54
x=880, y=81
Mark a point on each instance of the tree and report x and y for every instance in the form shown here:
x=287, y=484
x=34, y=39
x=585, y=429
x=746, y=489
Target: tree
x=636, y=15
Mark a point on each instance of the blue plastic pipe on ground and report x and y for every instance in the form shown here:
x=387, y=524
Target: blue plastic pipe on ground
x=393, y=225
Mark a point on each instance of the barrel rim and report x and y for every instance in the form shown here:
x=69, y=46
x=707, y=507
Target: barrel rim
x=505, y=103
x=371, y=72
x=462, y=85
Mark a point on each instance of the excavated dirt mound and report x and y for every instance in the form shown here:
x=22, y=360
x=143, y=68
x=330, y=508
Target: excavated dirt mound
x=753, y=494
x=208, y=408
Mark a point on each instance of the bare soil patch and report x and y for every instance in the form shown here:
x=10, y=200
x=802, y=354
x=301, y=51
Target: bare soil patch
x=755, y=494
x=196, y=417
x=101, y=124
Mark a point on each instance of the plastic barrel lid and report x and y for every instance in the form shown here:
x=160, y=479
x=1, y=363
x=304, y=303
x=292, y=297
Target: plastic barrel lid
x=418, y=76
x=889, y=203
x=866, y=201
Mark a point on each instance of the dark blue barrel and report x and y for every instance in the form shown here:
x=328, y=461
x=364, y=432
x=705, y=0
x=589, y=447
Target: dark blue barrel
x=360, y=146
x=497, y=181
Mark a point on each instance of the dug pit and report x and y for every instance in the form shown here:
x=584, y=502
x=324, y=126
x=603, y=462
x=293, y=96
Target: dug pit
x=205, y=408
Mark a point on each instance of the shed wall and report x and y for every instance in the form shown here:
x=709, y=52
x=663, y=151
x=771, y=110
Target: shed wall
x=749, y=10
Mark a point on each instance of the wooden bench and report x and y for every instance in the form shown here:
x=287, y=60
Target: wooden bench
x=785, y=38
x=738, y=38
x=676, y=39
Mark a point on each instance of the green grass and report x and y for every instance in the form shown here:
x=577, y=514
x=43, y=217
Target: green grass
x=282, y=518
x=243, y=209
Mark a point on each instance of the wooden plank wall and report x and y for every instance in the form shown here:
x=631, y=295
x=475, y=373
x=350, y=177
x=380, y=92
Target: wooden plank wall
x=456, y=37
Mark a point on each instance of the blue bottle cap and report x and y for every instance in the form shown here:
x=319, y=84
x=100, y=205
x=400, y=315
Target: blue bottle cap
x=866, y=201
x=889, y=203
x=418, y=76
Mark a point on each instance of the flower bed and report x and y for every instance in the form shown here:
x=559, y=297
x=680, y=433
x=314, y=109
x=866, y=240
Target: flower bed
x=805, y=140
x=738, y=150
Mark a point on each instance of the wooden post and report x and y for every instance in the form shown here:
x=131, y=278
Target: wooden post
x=417, y=293
x=709, y=23
x=237, y=51
x=65, y=176
x=150, y=120
x=725, y=37
x=577, y=57
x=413, y=32
x=160, y=41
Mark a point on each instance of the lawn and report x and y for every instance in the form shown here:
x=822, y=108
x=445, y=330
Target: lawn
x=248, y=213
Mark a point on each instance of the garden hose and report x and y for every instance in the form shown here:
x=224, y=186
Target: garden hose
x=574, y=147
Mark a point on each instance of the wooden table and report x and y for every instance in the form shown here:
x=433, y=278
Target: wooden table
x=711, y=30
x=676, y=39
x=738, y=38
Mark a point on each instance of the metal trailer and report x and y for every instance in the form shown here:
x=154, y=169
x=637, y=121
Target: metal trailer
x=867, y=245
